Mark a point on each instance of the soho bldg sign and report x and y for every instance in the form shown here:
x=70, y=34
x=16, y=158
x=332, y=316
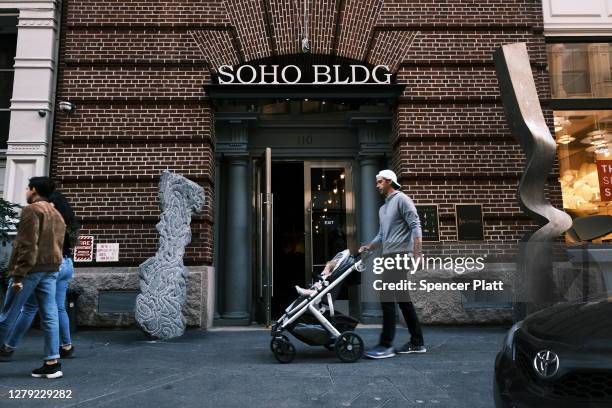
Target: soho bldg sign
x=292, y=74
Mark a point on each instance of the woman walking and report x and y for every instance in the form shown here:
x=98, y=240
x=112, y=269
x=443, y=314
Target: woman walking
x=24, y=321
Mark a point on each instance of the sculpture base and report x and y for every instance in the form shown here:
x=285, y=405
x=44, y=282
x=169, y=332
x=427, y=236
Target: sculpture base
x=97, y=306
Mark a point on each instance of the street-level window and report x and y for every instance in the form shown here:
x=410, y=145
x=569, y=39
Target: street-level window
x=8, y=46
x=583, y=139
x=580, y=70
x=581, y=87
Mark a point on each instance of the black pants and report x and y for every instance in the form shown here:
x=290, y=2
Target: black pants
x=388, y=331
x=388, y=302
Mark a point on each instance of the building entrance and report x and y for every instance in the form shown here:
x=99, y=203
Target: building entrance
x=302, y=223
x=294, y=186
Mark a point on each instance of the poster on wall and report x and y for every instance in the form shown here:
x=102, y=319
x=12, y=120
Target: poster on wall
x=83, y=251
x=604, y=172
x=430, y=223
x=469, y=222
x=107, y=252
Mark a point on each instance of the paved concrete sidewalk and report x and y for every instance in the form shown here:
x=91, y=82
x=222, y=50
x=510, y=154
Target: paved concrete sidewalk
x=237, y=369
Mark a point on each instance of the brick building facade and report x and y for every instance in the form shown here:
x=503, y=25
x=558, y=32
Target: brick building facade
x=136, y=70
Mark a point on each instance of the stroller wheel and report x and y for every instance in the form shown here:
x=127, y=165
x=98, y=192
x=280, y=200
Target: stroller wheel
x=349, y=347
x=280, y=336
x=283, y=350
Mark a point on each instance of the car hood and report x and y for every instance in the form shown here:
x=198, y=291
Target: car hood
x=576, y=324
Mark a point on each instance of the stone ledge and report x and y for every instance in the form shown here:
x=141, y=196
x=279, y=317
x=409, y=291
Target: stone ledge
x=91, y=280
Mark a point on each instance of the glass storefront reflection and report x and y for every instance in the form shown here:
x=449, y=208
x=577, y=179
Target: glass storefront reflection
x=580, y=70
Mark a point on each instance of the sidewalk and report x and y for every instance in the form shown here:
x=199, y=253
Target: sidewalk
x=236, y=369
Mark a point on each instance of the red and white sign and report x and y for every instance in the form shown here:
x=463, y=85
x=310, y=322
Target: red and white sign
x=107, y=253
x=604, y=171
x=83, y=252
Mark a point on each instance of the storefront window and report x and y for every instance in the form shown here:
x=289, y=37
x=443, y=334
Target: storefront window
x=583, y=139
x=580, y=70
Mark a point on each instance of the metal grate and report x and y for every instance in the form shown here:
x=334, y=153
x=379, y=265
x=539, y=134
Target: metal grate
x=585, y=385
x=576, y=385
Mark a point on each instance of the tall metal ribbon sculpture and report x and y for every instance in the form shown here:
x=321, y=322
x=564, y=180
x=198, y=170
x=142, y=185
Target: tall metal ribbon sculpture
x=528, y=126
x=162, y=278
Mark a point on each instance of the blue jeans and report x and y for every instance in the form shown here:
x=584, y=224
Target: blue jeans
x=42, y=285
x=24, y=321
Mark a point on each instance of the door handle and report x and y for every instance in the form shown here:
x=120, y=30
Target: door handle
x=260, y=248
x=271, y=243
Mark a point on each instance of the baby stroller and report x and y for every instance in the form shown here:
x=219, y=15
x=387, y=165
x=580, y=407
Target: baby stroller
x=313, y=320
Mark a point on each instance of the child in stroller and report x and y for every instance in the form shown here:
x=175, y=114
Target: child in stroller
x=324, y=277
x=311, y=318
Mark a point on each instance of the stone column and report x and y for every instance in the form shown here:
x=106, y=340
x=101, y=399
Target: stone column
x=216, y=243
x=32, y=105
x=373, y=130
x=369, y=204
x=234, y=229
x=237, y=297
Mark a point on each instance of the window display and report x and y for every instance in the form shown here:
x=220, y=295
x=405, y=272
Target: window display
x=583, y=139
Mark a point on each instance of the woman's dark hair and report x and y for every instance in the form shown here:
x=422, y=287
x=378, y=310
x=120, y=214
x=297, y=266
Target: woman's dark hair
x=72, y=226
x=44, y=186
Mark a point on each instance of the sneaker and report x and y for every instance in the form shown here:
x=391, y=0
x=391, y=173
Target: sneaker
x=66, y=353
x=48, y=371
x=6, y=354
x=409, y=348
x=380, y=352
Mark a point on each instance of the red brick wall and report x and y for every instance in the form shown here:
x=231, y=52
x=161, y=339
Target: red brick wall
x=135, y=70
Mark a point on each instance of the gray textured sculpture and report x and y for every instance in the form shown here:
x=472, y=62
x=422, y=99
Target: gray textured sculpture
x=528, y=126
x=162, y=278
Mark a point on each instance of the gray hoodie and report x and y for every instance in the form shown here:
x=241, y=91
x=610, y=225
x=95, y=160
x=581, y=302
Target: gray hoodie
x=399, y=224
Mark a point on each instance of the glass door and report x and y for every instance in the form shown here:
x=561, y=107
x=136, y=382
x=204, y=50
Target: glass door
x=328, y=221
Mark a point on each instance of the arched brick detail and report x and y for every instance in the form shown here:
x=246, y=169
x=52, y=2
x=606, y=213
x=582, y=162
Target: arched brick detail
x=249, y=19
x=323, y=14
x=286, y=25
x=217, y=47
x=391, y=47
x=358, y=20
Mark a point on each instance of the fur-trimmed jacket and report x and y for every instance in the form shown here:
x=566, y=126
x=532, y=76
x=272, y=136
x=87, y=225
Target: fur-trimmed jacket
x=39, y=243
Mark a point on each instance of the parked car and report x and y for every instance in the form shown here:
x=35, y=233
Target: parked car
x=558, y=357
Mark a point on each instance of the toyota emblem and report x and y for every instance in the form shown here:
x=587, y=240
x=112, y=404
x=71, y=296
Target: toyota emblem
x=546, y=363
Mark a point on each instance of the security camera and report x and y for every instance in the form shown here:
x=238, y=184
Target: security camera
x=66, y=107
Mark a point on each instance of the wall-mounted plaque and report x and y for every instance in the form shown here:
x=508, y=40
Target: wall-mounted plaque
x=469, y=222
x=107, y=252
x=430, y=223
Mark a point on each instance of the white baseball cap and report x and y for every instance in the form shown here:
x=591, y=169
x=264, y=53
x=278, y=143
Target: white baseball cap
x=389, y=175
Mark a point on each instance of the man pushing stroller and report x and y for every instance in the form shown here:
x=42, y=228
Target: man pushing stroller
x=399, y=233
